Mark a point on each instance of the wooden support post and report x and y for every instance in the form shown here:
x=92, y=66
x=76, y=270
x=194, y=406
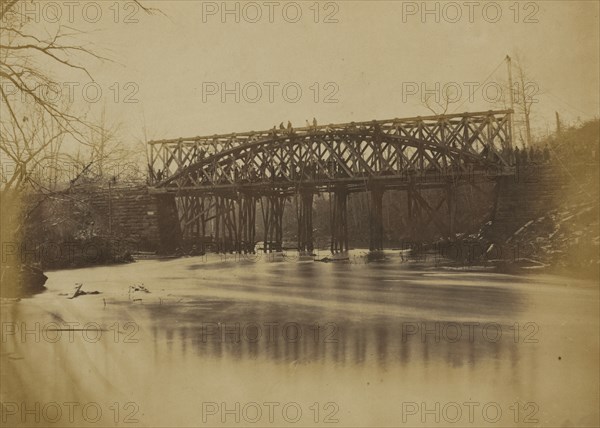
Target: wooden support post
x=415, y=212
x=226, y=227
x=217, y=224
x=272, y=209
x=451, y=204
x=339, y=220
x=410, y=213
x=232, y=224
x=247, y=224
x=279, y=205
x=305, y=228
x=376, y=219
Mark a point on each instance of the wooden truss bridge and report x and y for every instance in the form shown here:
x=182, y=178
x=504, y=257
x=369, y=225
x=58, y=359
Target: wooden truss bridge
x=218, y=181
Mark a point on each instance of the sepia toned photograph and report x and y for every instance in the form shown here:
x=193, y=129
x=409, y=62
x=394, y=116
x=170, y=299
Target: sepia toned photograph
x=309, y=213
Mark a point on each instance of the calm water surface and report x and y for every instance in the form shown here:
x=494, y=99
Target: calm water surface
x=264, y=342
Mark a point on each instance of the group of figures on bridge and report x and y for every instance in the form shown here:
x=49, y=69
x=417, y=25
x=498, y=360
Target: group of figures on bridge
x=534, y=155
x=218, y=181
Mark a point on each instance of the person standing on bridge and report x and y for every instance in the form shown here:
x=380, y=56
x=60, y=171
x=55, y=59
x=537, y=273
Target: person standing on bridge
x=546, y=154
x=517, y=156
x=485, y=152
x=539, y=157
x=531, y=155
x=508, y=155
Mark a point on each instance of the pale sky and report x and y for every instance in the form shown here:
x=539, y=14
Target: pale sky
x=371, y=55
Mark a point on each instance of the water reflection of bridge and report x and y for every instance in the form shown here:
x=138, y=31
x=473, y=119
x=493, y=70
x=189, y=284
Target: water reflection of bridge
x=352, y=344
x=218, y=181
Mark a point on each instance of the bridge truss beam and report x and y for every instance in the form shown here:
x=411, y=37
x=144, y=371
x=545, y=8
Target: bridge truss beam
x=437, y=145
x=219, y=181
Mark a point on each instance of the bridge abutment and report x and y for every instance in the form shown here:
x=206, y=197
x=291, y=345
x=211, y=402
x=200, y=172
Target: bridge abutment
x=168, y=223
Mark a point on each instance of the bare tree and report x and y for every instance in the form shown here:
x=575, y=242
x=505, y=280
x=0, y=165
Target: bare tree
x=33, y=147
x=26, y=58
x=441, y=102
x=29, y=52
x=35, y=127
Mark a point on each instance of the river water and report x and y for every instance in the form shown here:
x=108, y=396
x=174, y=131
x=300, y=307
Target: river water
x=270, y=341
